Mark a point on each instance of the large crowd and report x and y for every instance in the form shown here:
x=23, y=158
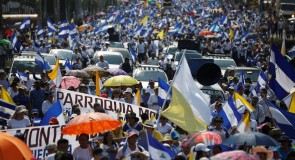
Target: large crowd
x=244, y=36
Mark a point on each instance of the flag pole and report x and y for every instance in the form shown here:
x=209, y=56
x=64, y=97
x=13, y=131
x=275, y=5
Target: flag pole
x=170, y=86
x=97, y=78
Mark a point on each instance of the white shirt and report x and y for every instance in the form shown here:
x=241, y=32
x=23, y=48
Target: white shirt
x=153, y=61
x=103, y=64
x=128, y=152
x=45, y=106
x=258, y=114
x=13, y=123
x=167, y=128
x=76, y=55
x=153, y=99
x=50, y=157
x=82, y=154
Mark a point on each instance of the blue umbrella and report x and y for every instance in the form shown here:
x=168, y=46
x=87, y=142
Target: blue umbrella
x=116, y=72
x=251, y=139
x=223, y=147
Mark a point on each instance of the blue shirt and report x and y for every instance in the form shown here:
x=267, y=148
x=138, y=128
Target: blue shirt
x=37, y=98
x=283, y=154
x=21, y=100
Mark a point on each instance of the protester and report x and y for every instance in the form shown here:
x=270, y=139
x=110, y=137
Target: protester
x=126, y=66
x=3, y=79
x=22, y=98
x=129, y=98
x=132, y=123
x=51, y=151
x=285, y=147
x=154, y=32
x=37, y=97
x=133, y=150
x=48, y=102
x=63, y=145
x=109, y=145
x=163, y=127
x=84, y=151
x=102, y=63
x=19, y=120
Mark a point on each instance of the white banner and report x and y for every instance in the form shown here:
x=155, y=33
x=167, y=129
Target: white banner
x=86, y=101
x=37, y=138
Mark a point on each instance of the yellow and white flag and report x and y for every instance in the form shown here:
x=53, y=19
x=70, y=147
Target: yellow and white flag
x=161, y=34
x=240, y=101
x=144, y=20
x=244, y=125
x=290, y=102
x=5, y=96
x=55, y=75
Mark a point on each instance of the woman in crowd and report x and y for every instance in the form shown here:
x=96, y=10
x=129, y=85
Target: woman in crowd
x=19, y=119
x=109, y=145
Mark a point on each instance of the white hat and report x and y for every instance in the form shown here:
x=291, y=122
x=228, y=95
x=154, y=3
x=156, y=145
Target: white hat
x=149, y=124
x=201, y=147
x=128, y=90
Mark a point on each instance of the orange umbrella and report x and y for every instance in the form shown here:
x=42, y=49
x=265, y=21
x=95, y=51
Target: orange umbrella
x=205, y=33
x=13, y=148
x=83, y=27
x=91, y=123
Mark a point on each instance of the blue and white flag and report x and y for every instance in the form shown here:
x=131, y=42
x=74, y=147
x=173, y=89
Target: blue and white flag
x=63, y=30
x=191, y=21
x=242, y=79
x=40, y=31
x=13, y=40
x=284, y=119
x=282, y=74
x=39, y=60
x=230, y=115
x=236, y=35
x=261, y=81
x=162, y=92
x=73, y=31
x=23, y=76
x=56, y=111
x=223, y=20
x=68, y=65
x=25, y=23
x=50, y=26
x=6, y=109
x=250, y=62
x=244, y=35
x=214, y=28
x=157, y=150
x=292, y=52
x=133, y=55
